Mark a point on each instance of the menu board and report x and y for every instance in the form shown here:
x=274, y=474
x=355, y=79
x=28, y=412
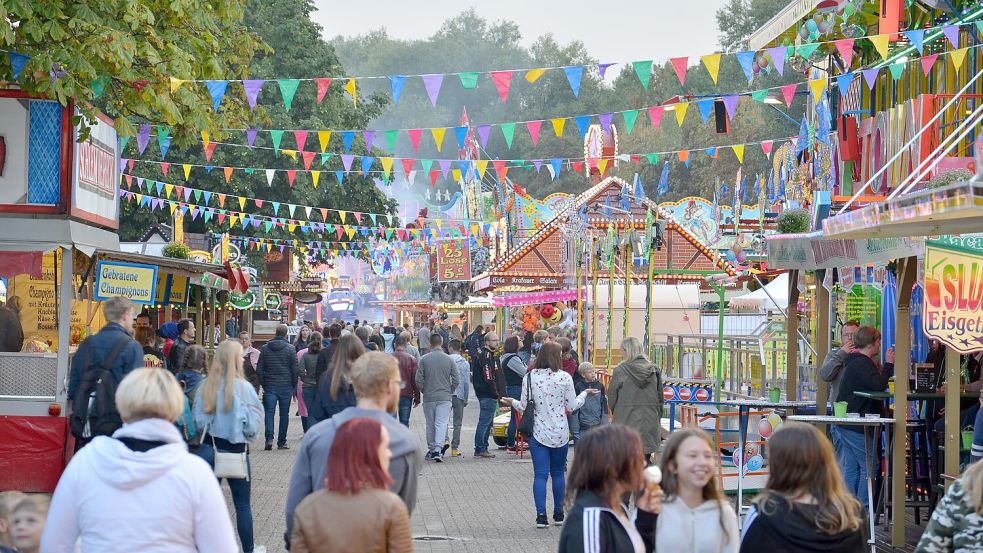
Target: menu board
x=38, y=308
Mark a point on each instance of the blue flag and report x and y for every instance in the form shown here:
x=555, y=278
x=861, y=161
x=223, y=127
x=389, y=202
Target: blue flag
x=663, y=180
x=574, y=74
x=397, y=82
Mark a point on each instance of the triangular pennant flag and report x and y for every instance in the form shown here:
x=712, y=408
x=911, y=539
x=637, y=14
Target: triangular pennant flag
x=469, y=79
x=508, y=131
x=397, y=82
x=352, y=90
x=432, y=84
x=746, y=59
x=251, y=137
x=605, y=119
x=340, y=175
x=602, y=69
x=143, y=137
x=843, y=82
x=928, y=62
x=711, y=152
x=445, y=167
x=315, y=177
x=533, y=127
x=209, y=150
x=655, y=115
x=582, y=122
x=481, y=165
x=252, y=88
x=778, y=55
x=712, y=63
x=680, y=110
x=322, y=88
x=391, y=136
x=870, y=76
x=759, y=95
x=426, y=164
x=300, y=137
x=164, y=168
x=484, y=131
x=461, y=133
x=706, y=108
x=602, y=166
x=554, y=168
x=958, y=57
x=807, y=50
x=348, y=138
x=438, y=136
x=387, y=165
x=217, y=90
x=643, y=70
x=880, y=43
x=269, y=176
x=346, y=160
x=308, y=158
x=558, y=124
x=288, y=87
x=739, y=152
x=242, y=203
x=369, y=138
x=951, y=32
x=630, y=116
x=187, y=171
x=502, y=80
x=500, y=170
x=683, y=156
x=163, y=140
x=415, y=135
x=574, y=75
x=175, y=83
x=407, y=165
x=788, y=92
x=845, y=47
x=533, y=75
x=730, y=104
x=817, y=87
x=896, y=70
x=367, y=162
x=323, y=138
x=679, y=65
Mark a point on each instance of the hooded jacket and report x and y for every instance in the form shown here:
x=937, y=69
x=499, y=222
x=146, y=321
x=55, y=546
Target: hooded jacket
x=591, y=527
x=710, y=527
x=790, y=528
x=310, y=465
x=278, y=365
x=635, y=398
x=160, y=500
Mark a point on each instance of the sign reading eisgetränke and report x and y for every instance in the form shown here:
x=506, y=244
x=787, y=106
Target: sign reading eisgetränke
x=953, y=306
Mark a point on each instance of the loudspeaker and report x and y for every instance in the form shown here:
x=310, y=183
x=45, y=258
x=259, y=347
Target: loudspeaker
x=720, y=117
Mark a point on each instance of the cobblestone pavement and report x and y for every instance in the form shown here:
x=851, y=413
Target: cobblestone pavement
x=480, y=505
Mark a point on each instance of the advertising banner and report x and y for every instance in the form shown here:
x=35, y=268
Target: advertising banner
x=810, y=252
x=453, y=261
x=953, y=306
x=95, y=182
x=129, y=280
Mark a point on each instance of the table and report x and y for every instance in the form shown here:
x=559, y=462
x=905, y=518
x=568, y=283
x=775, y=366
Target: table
x=743, y=413
x=914, y=396
x=866, y=422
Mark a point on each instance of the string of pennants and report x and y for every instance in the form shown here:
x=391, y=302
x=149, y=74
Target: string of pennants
x=502, y=79
x=459, y=170
x=205, y=198
x=267, y=223
x=322, y=247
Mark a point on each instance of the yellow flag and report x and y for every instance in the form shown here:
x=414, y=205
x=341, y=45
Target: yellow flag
x=242, y=203
x=342, y=215
x=712, y=63
x=205, y=139
x=958, y=57
x=438, y=222
x=291, y=227
x=438, y=136
x=817, y=86
x=680, y=110
x=187, y=171
x=233, y=219
x=880, y=43
x=533, y=75
x=739, y=152
x=168, y=188
x=602, y=165
x=350, y=232
x=323, y=137
x=172, y=205
x=558, y=125
x=350, y=88
x=315, y=176
x=387, y=165
x=292, y=154
x=176, y=84
x=481, y=165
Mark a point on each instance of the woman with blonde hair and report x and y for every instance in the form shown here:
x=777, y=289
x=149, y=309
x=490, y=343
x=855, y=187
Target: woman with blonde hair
x=957, y=522
x=805, y=505
x=229, y=412
x=695, y=516
x=635, y=394
x=335, y=392
x=140, y=490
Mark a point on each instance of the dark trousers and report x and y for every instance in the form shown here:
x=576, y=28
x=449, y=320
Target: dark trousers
x=514, y=392
x=405, y=408
x=272, y=397
x=239, y=487
x=310, y=396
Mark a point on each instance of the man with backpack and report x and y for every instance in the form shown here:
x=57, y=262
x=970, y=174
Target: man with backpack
x=99, y=364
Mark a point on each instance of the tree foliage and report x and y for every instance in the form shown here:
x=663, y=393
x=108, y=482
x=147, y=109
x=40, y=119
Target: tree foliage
x=738, y=19
x=127, y=50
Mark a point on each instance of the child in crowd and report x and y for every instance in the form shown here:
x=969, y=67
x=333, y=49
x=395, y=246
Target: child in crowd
x=8, y=500
x=595, y=410
x=27, y=523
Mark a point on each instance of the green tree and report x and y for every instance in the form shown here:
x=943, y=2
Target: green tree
x=737, y=20
x=119, y=55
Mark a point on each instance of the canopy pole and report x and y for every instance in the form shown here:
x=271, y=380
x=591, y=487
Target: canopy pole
x=792, y=343
x=902, y=368
x=822, y=343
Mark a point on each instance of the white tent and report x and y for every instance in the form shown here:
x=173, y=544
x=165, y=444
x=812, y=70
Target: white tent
x=758, y=301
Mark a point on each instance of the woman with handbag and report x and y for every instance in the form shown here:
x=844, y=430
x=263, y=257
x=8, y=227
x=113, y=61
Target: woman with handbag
x=547, y=396
x=229, y=411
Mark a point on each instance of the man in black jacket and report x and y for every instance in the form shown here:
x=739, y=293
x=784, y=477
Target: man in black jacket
x=185, y=336
x=854, y=450
x=278, y=374
x=485, y=373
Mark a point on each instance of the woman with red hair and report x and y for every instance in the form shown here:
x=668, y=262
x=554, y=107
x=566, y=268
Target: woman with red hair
x=355, y=512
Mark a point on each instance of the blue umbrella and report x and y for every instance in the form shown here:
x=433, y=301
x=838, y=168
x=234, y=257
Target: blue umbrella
x=889, y=304
x=919, y=348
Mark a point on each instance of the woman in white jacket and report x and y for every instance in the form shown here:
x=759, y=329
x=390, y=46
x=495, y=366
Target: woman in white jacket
x=140, y=490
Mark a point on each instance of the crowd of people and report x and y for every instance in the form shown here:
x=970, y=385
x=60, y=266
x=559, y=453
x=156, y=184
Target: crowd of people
x=152, y=455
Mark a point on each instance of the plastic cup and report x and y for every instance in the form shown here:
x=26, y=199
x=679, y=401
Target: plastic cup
x=775, y=395
x=890, y=386
x=967, y=440
x=839, y=409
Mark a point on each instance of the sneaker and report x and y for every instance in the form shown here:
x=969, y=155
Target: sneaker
x=428, y=456
x=438, y=457
x=284, y=446
x=558, y=519
x=444, y=449
x=541, y=521
x=484, y=455
x=456, y=453
x=269, y=446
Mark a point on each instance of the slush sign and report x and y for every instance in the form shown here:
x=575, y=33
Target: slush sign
x=953, y=305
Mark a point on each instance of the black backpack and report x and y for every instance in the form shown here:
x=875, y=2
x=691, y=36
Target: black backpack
x=94, y=410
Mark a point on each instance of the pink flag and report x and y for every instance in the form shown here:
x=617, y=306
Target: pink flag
x=845, y=47
x=655, y=115
x=928, y=62
x=322, y=88
x=209, y=150
x=766, y=147
x=502, y=80
x=533, y=127
x=788, y=91
x=679, y=64
x=415, y=135
x=301, y=138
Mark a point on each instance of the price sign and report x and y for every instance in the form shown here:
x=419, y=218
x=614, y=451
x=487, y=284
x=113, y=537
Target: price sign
x=453, y=261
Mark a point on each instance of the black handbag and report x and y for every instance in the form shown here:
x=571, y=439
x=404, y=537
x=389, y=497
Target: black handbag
x=528, y=420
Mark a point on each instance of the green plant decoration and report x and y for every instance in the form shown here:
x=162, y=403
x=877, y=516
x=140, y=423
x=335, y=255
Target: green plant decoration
x=793, y=221
x=177, y=250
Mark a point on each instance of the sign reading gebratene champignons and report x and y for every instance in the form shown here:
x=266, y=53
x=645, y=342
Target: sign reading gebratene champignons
x=953, y=305
x=129, y=280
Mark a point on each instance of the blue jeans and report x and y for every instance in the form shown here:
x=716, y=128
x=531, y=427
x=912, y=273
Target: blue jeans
x=310, y=396
x=485, y=418
x=856, y=456
x=240, y=498
x=271, y=398
x=514, y=392
x=405, y=408
x=548, y=462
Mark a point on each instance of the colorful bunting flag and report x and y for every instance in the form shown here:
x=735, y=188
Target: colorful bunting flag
x=288, y=87
x=951, y=32
x=739, y=152
x=958, y=57
x=533, y=75
x=396, y=83
x=432, y=84
x=788, y=92
x=508, y=131
x=643, y=70
x=845, y=47
x=217, y=90
x=679, y=65
x=927, y=63
x=350, y=88
x=880, y=43
x=712, y=64
x=534, y=127
x=817, y=87
x=680, y=110
x=322, y=89
x=917, y=39
x=438, y=136
x=746, y=59
x=655, y=115
x=558, y=124
x=574, y=75
x=630, y=116
x=469, y=79
x=502, y=80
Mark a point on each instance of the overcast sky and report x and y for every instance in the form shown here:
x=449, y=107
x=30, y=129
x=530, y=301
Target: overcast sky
x=625, y=30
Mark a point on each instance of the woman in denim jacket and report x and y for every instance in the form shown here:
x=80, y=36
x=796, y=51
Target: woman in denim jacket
x=229, y=411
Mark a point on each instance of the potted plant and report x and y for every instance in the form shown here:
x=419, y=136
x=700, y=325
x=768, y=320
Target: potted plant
x=793, y=221
x=177, y=250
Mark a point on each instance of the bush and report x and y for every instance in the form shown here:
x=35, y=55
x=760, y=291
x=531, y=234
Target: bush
x=793, y=221
x=177, y=250
x=945, y=178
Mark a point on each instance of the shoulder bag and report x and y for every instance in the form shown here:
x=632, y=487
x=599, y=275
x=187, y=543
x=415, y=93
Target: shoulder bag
x=528, y=420
x=228, y=464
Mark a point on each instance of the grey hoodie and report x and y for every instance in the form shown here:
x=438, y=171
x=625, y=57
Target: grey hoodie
x=311, y=464
x=635, y=398
x=437, y=376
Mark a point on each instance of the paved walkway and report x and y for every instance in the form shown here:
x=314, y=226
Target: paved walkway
x=464, y=504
